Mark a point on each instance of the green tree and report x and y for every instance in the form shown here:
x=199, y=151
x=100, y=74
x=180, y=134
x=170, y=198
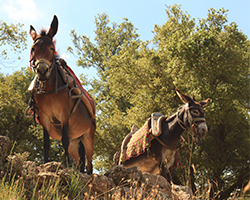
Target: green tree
x=209, y=58
x=212, y=60
x=12, y=39
x=109, y=41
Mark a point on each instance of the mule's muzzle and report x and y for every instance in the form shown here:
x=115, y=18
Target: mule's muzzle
x=202, y=130
x=43, y=72
x=42, y=69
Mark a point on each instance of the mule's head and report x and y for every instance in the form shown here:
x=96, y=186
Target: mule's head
x=43, y=50
x=194, y=116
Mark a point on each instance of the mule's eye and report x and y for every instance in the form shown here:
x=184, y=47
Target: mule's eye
x=52, y=49
x=32, y=50
x=195, y=112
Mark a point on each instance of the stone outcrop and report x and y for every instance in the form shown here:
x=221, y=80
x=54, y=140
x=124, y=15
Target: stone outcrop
x=116, y=183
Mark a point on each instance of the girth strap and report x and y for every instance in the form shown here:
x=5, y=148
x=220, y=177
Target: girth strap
x=164, y=145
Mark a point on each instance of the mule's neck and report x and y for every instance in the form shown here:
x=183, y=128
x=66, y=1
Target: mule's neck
x=172, y=128
x=54, y=83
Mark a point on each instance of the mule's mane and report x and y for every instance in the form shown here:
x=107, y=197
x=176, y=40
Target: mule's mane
x=43, y=32
x=173, y=115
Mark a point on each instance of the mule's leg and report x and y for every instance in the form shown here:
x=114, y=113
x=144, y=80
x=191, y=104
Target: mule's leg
x=46, y=145
x=88, y=142
x=77, y=152
x=81, y=151
x=73, y=151
x=65, y=143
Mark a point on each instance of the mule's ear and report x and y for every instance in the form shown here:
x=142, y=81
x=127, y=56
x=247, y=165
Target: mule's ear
x=183, y=97
x=33, y=33
x=53, y=27
x=204, y=103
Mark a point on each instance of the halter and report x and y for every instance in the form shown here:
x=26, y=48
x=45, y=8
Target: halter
x=50, y=67
x=191, y=120
x=42, y=60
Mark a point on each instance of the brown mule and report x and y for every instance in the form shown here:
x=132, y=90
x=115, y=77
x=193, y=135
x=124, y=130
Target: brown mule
x=62, y=117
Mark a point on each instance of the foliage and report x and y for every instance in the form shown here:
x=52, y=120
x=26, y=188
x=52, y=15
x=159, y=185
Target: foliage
x=109, y=41
x=135, y=78
x=12, y=41
x=14, y=97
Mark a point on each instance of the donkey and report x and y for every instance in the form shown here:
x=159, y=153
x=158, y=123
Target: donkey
x=165, y=139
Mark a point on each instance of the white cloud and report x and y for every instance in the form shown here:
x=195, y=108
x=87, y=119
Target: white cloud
x=65, y=56
x=22, y=10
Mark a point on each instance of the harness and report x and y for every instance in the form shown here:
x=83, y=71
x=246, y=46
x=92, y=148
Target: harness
x=185, y=124
x=39, y=85
x=190, y=122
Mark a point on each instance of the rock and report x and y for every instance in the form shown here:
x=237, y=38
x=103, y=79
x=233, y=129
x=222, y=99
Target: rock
x=119, y=174
x=30, y=168
x=48, y=177
x=156, y=181
x=135, y=184
x=101, y=184
x=50, y=167
x=116, y=183
x=182, y=192
x=15, y=163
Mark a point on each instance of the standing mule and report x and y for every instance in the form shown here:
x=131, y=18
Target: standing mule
x=61, y=113
x=162, y=138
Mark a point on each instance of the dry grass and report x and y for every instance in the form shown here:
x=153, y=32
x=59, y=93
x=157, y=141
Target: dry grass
x=73, y=187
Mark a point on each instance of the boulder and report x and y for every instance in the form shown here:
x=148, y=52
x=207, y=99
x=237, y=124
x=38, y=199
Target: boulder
x=182, y=192
x=121, y=175
x=101, y=184
x=156, y=181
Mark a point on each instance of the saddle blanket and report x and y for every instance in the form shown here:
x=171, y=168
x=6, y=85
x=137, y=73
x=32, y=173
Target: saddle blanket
x=139, y=142
x=86, y=94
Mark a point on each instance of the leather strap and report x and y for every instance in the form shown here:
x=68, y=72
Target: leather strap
x=164, y=145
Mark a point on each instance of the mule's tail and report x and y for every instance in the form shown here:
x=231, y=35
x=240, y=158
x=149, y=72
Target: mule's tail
x=81, y=151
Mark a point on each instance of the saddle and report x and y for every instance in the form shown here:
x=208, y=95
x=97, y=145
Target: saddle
x=155, y=131
x=74, y=84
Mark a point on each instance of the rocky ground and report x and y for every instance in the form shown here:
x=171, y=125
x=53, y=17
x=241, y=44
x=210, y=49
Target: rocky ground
x=116, y=183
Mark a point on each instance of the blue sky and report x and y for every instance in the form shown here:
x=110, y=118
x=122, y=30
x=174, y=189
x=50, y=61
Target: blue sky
x=80, y=15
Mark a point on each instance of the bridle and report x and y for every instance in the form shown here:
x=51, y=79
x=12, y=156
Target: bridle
x=187, y=125
x=191, y=122
x=51, y=64
x=42, y=60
